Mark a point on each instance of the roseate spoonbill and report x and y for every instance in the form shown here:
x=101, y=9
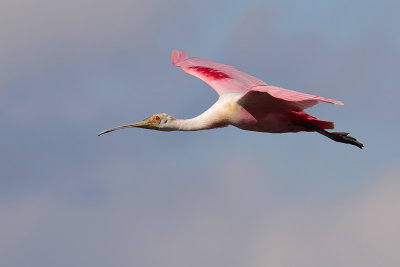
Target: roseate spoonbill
x=245, y=102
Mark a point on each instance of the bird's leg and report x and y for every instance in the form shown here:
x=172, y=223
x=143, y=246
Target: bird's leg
x=336, y=136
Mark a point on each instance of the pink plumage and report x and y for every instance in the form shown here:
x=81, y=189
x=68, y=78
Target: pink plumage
x=262, y=107
x=245, y=102
x=237, y=81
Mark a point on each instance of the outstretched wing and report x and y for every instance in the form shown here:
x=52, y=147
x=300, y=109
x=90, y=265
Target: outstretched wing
x=226, y=79
x=280, y=98
x=223, y=78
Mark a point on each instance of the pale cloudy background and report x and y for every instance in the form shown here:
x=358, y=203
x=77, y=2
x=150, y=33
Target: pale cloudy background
x=69, y=69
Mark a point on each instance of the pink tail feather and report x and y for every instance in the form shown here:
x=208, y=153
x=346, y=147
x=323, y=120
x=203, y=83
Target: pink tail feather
x=300, y=118
x=324, y=124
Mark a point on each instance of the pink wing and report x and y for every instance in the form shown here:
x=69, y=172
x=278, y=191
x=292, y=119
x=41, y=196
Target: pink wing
x=223, y=78
x=276, y=97
x=227, y=79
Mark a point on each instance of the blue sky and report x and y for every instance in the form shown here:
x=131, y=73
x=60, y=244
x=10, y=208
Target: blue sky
x=225, y=197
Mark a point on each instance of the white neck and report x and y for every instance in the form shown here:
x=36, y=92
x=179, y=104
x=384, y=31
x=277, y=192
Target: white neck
x=214, y=117
x=194, y=124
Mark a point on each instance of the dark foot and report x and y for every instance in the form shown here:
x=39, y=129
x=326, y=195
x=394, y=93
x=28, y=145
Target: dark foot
x=345, y=138
x=336, y=136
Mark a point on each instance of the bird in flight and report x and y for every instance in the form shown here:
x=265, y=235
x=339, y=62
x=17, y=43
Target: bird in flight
x=245, y=102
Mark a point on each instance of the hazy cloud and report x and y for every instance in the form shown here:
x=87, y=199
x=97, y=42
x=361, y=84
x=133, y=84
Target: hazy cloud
x=226, y=197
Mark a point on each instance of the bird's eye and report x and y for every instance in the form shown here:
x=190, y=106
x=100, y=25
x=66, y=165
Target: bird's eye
x=157, y=118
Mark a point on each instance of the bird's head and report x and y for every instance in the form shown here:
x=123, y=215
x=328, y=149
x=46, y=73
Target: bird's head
x=160, y=122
